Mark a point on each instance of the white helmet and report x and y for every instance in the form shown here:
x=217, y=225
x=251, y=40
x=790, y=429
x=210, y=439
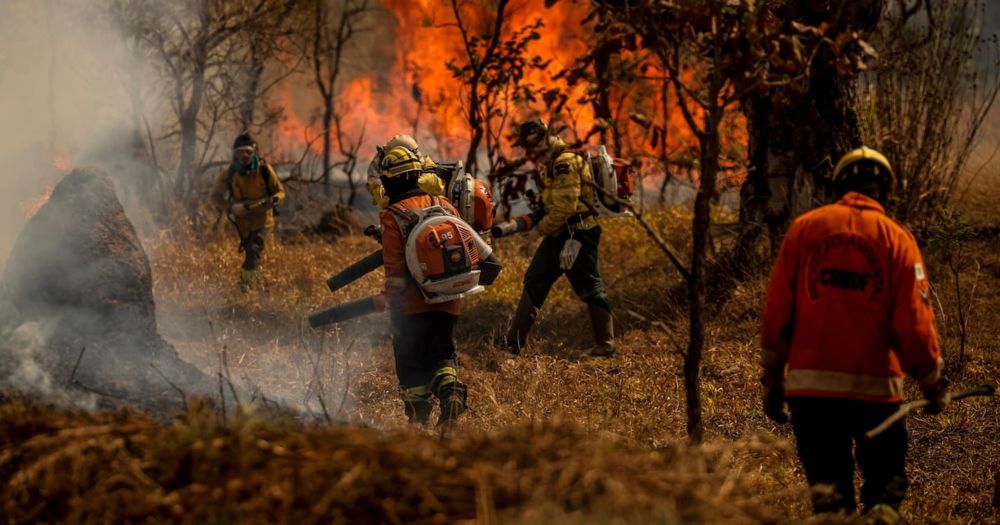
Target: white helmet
x=403, y=140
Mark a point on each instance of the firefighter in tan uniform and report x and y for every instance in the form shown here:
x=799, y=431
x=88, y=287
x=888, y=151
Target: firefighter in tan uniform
x=570, y=240
x=247, y=191
x=429, y=182
x=848, y=315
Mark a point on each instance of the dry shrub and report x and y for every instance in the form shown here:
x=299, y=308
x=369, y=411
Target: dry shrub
x=122, y=466
x=925, y=105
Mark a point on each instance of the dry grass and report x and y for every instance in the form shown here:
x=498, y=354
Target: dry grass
x=122, y=466
x=617, y=452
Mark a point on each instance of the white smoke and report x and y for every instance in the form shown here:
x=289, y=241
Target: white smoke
x=63, y=73
x=23, y=350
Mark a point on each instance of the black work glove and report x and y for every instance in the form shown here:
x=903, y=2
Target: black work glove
x=374, y=231
x=774, y=404
x=774, y=397
x=938, y=396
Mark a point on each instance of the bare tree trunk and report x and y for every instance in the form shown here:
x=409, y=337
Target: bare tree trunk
x=709, y=141
x=189, y=135
x=664, y=154
x=475, y=115
x=327, y=145
x=248, y=106
x=603, y=54
x=327, y=53
x=189, y=115
x=795, y=140
x=352, y=190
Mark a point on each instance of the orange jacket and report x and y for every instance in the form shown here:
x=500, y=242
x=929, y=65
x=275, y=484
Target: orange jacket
x=848, y=307
x=402, y=291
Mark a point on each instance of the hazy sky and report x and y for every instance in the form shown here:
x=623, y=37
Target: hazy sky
x=61, y=94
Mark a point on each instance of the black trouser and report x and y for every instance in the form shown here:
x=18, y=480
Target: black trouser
x=584, y=276
x=826, y=431
x=253, y=247
x=422, y=344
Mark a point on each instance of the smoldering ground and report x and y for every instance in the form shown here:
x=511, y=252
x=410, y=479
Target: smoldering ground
x=78, y=268
x=66, y=78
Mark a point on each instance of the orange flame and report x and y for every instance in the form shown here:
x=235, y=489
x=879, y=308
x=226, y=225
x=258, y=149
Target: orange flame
x=418, y=94
x=31, y=206
x=61, y=161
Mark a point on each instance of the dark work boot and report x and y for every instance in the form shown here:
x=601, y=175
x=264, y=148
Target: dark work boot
x=417, y=405
x=453, y=401
x=520, y=325
x=418, y=412
x=603, y=327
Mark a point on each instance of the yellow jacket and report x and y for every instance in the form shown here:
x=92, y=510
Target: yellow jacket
x=566, y=191
x=246, y=188
x=429, y=182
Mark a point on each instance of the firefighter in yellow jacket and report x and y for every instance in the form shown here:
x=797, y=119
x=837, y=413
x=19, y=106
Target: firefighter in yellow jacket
x=429, y=182
x=568, y=223
x=247, y=191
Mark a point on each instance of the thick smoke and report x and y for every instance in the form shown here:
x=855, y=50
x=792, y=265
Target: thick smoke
x=66, y=75
x=25, y=371
x=63, y=102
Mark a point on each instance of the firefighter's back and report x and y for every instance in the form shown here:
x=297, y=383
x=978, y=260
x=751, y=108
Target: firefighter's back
x=845, y=256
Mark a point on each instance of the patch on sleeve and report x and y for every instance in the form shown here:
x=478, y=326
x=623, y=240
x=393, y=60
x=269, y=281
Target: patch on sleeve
x=561, y=168
x=922, y=285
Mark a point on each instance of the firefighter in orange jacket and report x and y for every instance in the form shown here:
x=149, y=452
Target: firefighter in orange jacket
x=847, y=315
x=423, y=335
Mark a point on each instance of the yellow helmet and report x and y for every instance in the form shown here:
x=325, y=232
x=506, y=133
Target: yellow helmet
x=398, y=162
x=403, y=140
x=851, y=162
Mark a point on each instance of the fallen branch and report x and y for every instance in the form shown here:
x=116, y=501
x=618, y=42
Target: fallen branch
x=906, y=408
x=176, y=388
x=77, y=364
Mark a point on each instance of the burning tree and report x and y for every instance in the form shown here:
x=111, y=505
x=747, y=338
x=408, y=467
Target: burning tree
x=332, y=30
x=493, y=75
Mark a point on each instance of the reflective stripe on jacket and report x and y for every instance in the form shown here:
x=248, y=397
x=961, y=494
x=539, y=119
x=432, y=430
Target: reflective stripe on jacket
x=566, y=188
x=402, y=291
x=848, y=306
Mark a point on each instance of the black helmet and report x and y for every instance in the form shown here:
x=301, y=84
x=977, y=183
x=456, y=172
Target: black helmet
x=244, y=140
x=531, y=133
